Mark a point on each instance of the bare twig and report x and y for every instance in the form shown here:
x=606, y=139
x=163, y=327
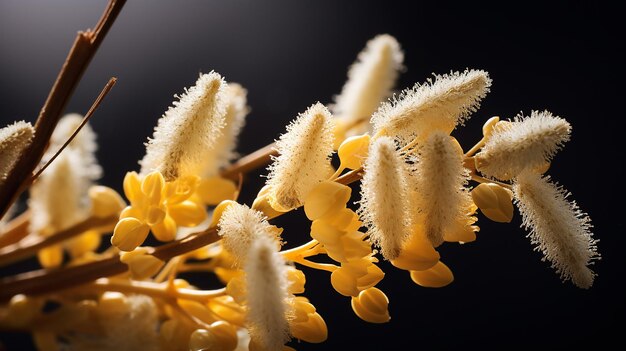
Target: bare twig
x=16, y=229
x=88, y=115
x=81, y=53
x=258, y=158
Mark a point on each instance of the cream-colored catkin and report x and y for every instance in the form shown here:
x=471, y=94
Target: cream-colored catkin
x=267, y=295
x=223, y=152
x=58, y=199
x=14, y=138
x=385, y=207
x=83, y=143
x=240, y=226
x=188, y=130
x=370, y=81
x=524, y=143
x=441, y=105
x=557, y=227
x=303, y=160
x=439, y=179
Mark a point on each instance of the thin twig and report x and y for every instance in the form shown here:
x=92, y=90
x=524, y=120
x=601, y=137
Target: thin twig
x=79, y=57
x=107, y=88
x=16, y=229
x=258, y=158
x=19, y=251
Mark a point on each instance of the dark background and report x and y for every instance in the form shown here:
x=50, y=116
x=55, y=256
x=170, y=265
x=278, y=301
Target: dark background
x=567, y=58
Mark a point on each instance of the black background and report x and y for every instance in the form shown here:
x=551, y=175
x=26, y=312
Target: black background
x=567, y=58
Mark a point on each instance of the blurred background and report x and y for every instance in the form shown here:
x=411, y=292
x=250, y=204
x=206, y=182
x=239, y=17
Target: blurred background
x=566, y=57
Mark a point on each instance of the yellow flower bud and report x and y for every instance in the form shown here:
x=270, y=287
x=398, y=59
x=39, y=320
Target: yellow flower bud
x=437, y=276
x=51, y=256
x=155, y=214
x=373, y=276
x=225, y=308
x=488, y=126
x=20, y=312
x=344, y=282
x=325, y=233
x=372, y=305
x=344, y=219
x=353, y=151
x=296, y=279
x=181, y=189
x=141, y=263
x=84, y=243
x=417, y=254
x=215, y=190
x=129, y=233
x=132, y=186
x=113, y=304
x=165, y=230
x=151, y=187
x=105, y=201
x=187, y=213
x=308, y=325
x=261, y=203
x=494, y=201
x=326, y=197
x=236, y=288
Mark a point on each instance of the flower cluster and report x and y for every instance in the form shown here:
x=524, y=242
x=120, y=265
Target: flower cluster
x=416, y=194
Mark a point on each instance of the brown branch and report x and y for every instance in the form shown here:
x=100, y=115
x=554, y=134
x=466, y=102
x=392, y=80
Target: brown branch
x=81, y=53
x=20, y=251
x=107, y=88
x=16, y=230
x=258, y=158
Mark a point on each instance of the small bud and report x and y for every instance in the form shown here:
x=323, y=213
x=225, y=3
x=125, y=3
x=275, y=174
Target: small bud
x=353, y=151
x=129, y=233
x=372, y=305
x=494, y=201
x=105, y=201
x=437, y=276
x=327, y=197
x=141, y=263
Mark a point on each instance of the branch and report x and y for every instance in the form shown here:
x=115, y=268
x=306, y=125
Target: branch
x=81, y=53
x=250, y=162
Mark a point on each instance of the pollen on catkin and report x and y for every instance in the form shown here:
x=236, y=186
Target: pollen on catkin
x=59, y=198
x=439, y=179
x=524, y=143
x=187, y=130
x=303, y=160
x=384, y=202
x=223, y=152
x=240, y=226
x=441, y=105
x=267, y=295
x=370, y=80
x=84, y=143
x=561, y=231
x=14, y=138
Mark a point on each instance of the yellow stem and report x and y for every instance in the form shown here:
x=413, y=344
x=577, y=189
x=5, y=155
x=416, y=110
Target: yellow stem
x=296, y=252
x=479, y=179
x=315, y=265
x=152, y=289
x=337, y=172
x=476, y=147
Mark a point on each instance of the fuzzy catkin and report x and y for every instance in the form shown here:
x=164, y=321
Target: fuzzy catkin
x=370, y=80
x=187, y=130
x=239, y=227
x=223, y=152
x=14, y=138
x=557, y=227
x=439, y=180
x=524, y=143
x=441, y=105
x=267, y=295
x=385, y=205
x=303, y=160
